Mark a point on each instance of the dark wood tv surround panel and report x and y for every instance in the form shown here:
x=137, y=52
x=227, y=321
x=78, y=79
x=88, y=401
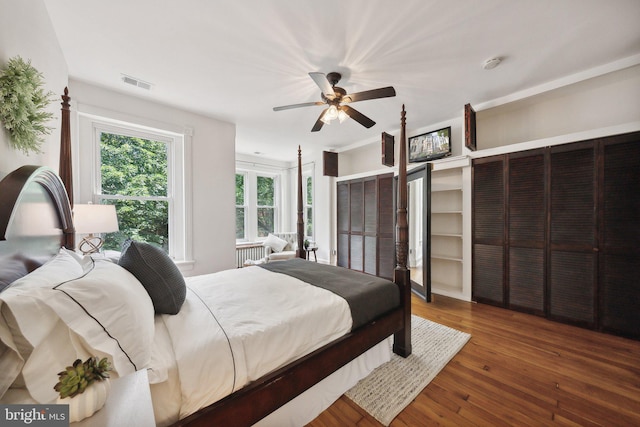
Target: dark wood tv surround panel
x=556, y=232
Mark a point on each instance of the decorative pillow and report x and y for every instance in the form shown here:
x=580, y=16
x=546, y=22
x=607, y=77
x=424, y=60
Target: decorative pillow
x=158, y=274
x=275, y=243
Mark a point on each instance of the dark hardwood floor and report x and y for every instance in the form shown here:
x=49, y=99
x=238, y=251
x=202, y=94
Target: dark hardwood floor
x=517, y=370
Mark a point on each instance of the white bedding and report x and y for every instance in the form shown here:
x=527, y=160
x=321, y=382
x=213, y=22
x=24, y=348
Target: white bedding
x=234, y=327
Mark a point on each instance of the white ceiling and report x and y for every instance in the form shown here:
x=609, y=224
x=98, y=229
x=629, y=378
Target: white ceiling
x=236, y=60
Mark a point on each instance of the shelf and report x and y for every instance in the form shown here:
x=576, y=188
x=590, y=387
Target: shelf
x=442, y=188
x=446, y=258
x=459, y=236
x=447, y=195
x=446, y=212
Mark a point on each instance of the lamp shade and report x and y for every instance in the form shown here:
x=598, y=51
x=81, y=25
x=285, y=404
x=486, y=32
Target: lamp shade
x=90, y=219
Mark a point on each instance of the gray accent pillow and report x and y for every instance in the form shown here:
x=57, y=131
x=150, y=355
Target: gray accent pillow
x=158, y=274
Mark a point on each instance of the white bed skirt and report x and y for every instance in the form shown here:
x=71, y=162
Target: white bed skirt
x=306, y=407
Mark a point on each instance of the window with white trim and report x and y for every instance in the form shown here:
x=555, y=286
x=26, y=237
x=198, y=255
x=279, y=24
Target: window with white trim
x=140, y=172
x=265, y=205
x=257, y=205
x=241, y=206
x=308, y=206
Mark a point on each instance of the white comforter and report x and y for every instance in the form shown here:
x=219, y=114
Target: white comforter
x=234, y=327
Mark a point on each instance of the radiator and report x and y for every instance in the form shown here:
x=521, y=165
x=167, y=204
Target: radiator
x=243, y=253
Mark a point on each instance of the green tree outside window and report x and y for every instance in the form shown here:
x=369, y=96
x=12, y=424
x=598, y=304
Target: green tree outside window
x=265, y=205
x=134, y=178
x=240, y=206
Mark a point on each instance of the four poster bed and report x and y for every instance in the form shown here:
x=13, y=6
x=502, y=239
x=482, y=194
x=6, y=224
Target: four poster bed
x=266, y=361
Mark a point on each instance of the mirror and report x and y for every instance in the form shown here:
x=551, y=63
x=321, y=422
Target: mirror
x=419, y=219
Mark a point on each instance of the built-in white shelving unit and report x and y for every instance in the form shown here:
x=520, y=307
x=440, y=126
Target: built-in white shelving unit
x=447, y=228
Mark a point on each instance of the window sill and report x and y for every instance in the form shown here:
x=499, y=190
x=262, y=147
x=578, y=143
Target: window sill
x=185, y=265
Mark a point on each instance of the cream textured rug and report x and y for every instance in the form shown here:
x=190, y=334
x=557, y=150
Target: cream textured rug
x=392, y=386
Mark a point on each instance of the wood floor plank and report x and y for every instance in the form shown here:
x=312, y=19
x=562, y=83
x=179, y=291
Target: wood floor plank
x=517, y=369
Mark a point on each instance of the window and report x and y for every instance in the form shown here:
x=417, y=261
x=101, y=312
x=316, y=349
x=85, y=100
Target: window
x=136, y=172
x=308, y=206
x=266, y=206
x=257, y=205
x=241, y=207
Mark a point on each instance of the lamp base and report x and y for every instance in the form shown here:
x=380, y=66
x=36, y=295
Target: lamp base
x=90, y=244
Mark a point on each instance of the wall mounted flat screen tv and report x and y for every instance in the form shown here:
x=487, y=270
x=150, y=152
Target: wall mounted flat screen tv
x=430, y=146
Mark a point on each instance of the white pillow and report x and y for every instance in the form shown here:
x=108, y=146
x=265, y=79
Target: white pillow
x=102, y=311
x=112, y=313
x=275, y=243
x=25, y=321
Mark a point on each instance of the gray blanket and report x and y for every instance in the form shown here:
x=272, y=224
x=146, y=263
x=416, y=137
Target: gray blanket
x=368, y=296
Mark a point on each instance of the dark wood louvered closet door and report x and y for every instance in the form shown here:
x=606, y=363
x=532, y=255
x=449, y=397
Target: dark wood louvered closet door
x=619, y=289
x=488, y=230
x=356, y=205
x=365, y=240
x=526, y=230
x=343, y=191
x=386, y=226
x=570, y=215
x=573, y=245
x=370, y=230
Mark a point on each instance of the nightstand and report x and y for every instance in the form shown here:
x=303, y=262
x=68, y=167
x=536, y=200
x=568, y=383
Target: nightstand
x=128, y=404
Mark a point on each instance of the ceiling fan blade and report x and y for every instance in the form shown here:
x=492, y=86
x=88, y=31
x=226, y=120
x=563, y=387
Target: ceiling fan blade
x=319, y=122
x=384, y=92
x=323, y=84
x=304, y=104
x=358, y=116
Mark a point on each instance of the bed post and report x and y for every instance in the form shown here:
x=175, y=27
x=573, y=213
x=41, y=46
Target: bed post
x=65, y=170
x=401, y=275
x=300, y=252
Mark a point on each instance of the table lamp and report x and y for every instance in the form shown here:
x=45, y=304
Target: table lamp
x=93, y=219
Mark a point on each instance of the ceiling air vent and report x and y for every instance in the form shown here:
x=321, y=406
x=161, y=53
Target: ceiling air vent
x=136, y=82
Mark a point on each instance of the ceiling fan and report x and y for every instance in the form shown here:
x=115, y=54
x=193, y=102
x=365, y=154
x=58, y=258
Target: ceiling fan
x=336, y=98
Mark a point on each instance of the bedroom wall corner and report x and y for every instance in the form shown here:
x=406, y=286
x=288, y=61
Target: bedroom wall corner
x=26, y=30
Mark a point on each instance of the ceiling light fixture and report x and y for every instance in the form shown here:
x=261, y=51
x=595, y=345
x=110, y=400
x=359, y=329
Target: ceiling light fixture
x=333, y=113
x=491, y=63
x=342, y=116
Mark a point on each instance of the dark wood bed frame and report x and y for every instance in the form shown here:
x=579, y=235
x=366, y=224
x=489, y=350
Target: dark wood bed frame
x=263, y=396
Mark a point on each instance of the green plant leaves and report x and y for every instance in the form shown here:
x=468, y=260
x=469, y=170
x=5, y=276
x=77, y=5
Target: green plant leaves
x=23, y=103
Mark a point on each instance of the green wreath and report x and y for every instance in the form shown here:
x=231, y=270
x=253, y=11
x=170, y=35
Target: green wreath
x=23, y=104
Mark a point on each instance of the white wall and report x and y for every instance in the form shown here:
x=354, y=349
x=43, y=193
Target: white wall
x=312, y=163
x=25, y=30
x=210, y=166
x=608, y=100
x=324, y=208
x=366, y=156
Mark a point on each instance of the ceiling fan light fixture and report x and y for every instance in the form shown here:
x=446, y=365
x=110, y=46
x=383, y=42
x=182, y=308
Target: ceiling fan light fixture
x=334, y=97
x=342, y=116
x=331, y=114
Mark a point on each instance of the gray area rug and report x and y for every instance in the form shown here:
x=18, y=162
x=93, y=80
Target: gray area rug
x=392, y=386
